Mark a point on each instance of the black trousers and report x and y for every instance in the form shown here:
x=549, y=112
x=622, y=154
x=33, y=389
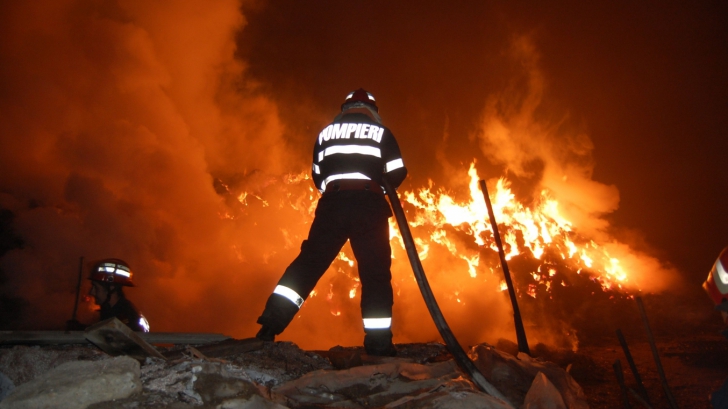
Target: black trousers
x=359, y=216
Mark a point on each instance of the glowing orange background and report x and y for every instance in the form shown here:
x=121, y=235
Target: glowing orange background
x=131, y=129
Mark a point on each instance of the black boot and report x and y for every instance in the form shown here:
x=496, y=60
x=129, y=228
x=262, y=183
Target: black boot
x=379, y=342
x=266, y=334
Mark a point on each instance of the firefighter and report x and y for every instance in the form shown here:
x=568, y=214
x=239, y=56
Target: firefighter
x=716, y=285
x=108, y=279
x=350, y=158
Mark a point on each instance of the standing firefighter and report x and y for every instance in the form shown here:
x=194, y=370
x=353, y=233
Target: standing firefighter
x=350, y=158
x=108, y=279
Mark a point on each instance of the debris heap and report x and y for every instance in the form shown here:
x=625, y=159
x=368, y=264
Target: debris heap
x=253, y=374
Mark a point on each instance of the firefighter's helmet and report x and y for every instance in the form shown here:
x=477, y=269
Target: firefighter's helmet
x=717, y=283
x=358, y=97
x=112, y=271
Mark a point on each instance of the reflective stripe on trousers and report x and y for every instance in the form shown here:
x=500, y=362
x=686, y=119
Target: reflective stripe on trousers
x=377, y=323
x=289, y=294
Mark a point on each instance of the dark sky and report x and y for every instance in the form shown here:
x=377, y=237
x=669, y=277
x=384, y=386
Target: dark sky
x=645, y=81
x=177, y=136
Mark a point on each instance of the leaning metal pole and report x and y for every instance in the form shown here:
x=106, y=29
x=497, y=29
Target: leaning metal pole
x=656, y=355
x=451, y=342
x=633, y=367
x=520, y=331
x=78, y=288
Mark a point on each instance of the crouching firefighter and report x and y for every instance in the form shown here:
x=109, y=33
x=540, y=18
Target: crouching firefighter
x=350, y=158
x=108, y=279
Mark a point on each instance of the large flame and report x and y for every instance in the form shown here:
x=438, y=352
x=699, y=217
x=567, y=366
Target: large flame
x=456, y=244
x=540, y=229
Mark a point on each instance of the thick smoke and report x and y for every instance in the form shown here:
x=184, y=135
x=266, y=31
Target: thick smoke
x=117, y=117
x=533, y=144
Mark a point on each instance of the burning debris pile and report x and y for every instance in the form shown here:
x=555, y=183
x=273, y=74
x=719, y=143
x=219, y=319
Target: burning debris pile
x=277, y=375
x=565, y=270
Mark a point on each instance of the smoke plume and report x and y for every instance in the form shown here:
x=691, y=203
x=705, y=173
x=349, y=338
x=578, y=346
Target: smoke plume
x=519, y=133
x=117, y=118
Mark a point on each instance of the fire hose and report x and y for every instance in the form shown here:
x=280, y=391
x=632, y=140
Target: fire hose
x=461, y=358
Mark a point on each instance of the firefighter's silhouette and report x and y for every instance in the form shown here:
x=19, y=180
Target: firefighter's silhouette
x=350, y=158
x=108, y=279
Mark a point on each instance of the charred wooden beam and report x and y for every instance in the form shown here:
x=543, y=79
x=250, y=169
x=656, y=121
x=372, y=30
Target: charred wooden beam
x=116, y=338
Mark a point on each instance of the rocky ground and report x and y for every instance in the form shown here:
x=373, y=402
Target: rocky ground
x=277, y=375
x=695, y=364
x=253, y=374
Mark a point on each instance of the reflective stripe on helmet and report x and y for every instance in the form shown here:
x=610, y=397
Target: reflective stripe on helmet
x=121, y=272
x=331, y=178
x=316, y=169
x=112, y=271
x=290, y=294
x=393, y=164
x=377, y=323
x=112, y=268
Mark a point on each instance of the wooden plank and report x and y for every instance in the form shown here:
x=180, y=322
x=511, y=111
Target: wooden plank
x=116, y=338
x=77, y=337
x=182, y=337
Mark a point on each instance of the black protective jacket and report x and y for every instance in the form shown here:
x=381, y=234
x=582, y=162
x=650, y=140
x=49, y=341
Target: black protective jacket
x=355, y=146
x=125, y=312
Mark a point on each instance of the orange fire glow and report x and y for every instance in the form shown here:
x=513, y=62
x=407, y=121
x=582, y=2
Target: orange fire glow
x=541, y=228
x=456, y=245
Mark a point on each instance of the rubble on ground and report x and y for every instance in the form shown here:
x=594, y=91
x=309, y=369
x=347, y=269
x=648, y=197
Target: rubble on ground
x=278, y=375
x=78, y=384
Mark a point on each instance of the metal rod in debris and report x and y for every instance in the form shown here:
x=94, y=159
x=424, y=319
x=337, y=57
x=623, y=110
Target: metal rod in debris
x=633, y=367
x=660, y=371
x=78, y=288
x=520, y=331
x=461, y=358
x=620, y=380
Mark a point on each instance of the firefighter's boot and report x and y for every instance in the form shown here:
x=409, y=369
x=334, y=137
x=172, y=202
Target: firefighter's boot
x=379, y=342
x=266, y=333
